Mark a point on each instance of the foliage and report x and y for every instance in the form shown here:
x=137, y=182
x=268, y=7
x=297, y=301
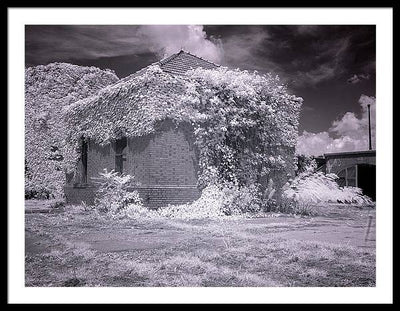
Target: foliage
x=268, y=199
x=289, y=205
x=37, y=190
x=250, y=126
x=47, y=90
x=245, y=124
x=115, y=194
x=316, y=187
x=216, y=201
x=209, y=205
x=138, y=211
x=306, y=164
x=241, y=200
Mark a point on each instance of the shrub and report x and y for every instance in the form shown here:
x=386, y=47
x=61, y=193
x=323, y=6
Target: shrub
x=114, y=193
x=353, y=195
x=138, y=211
x=37, y=191
x=209, y=205
x=240, y=200
x=268, y=201
x=47, y=90
x=217, y=200
x=317, y=187
x=306, y=164
x=296, y=207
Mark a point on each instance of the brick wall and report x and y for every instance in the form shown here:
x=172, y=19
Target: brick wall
x=165, y=158
x=152, y=196
x=165, y=165
x=155, y=197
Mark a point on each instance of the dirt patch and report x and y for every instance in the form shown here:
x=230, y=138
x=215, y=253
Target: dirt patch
x=118, y=240
x=35, y=244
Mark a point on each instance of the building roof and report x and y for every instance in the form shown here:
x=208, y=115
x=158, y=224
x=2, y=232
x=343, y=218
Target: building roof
x=178, y=64
x=181, y=62
x=365, y=153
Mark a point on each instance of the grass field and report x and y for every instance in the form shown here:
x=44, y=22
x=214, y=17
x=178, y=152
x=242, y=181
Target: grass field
x=78, y=248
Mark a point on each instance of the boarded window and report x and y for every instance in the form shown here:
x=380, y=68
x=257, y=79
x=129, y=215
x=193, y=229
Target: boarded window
x=351, y=176
x=348, y=177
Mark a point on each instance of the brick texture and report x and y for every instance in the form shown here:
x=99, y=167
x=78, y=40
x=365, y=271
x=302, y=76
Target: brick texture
x=165, y=158
x=164, y=164
x=152, y=196
x=155, y=197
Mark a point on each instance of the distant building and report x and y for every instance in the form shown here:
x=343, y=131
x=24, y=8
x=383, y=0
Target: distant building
x=356, y=169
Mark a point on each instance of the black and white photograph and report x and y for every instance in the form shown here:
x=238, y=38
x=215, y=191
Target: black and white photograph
x=187, y=155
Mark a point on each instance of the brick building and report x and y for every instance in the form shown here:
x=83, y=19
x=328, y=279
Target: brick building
x=164, y=163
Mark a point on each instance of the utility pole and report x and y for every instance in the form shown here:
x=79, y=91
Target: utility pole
x=369, y=127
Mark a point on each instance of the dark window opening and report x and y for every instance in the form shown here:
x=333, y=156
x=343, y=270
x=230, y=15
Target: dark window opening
x=367, y=179
x=120, y=145
x=84, y=158
x=362, y=176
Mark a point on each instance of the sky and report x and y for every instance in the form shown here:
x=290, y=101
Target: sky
x=332, y=67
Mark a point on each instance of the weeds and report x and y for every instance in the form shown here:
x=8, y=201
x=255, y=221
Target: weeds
x=212, y=253
x=114, y=193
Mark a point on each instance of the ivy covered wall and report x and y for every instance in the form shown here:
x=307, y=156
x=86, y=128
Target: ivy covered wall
x=243, y=125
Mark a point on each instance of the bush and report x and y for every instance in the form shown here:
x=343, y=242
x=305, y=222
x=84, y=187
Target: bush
x=295, y=207
x=317, y=187
x=138, y=211
x=48, y=89
x=209, y=205
x=37, y=191
x=217, y=200
x=115, y=193
x=241, y=200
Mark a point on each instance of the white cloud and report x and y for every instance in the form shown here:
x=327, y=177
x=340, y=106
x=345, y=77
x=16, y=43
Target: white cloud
x=169, y=39
x=313, y=143
x=351, y=132
x=349, y=124
x=357, y=127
